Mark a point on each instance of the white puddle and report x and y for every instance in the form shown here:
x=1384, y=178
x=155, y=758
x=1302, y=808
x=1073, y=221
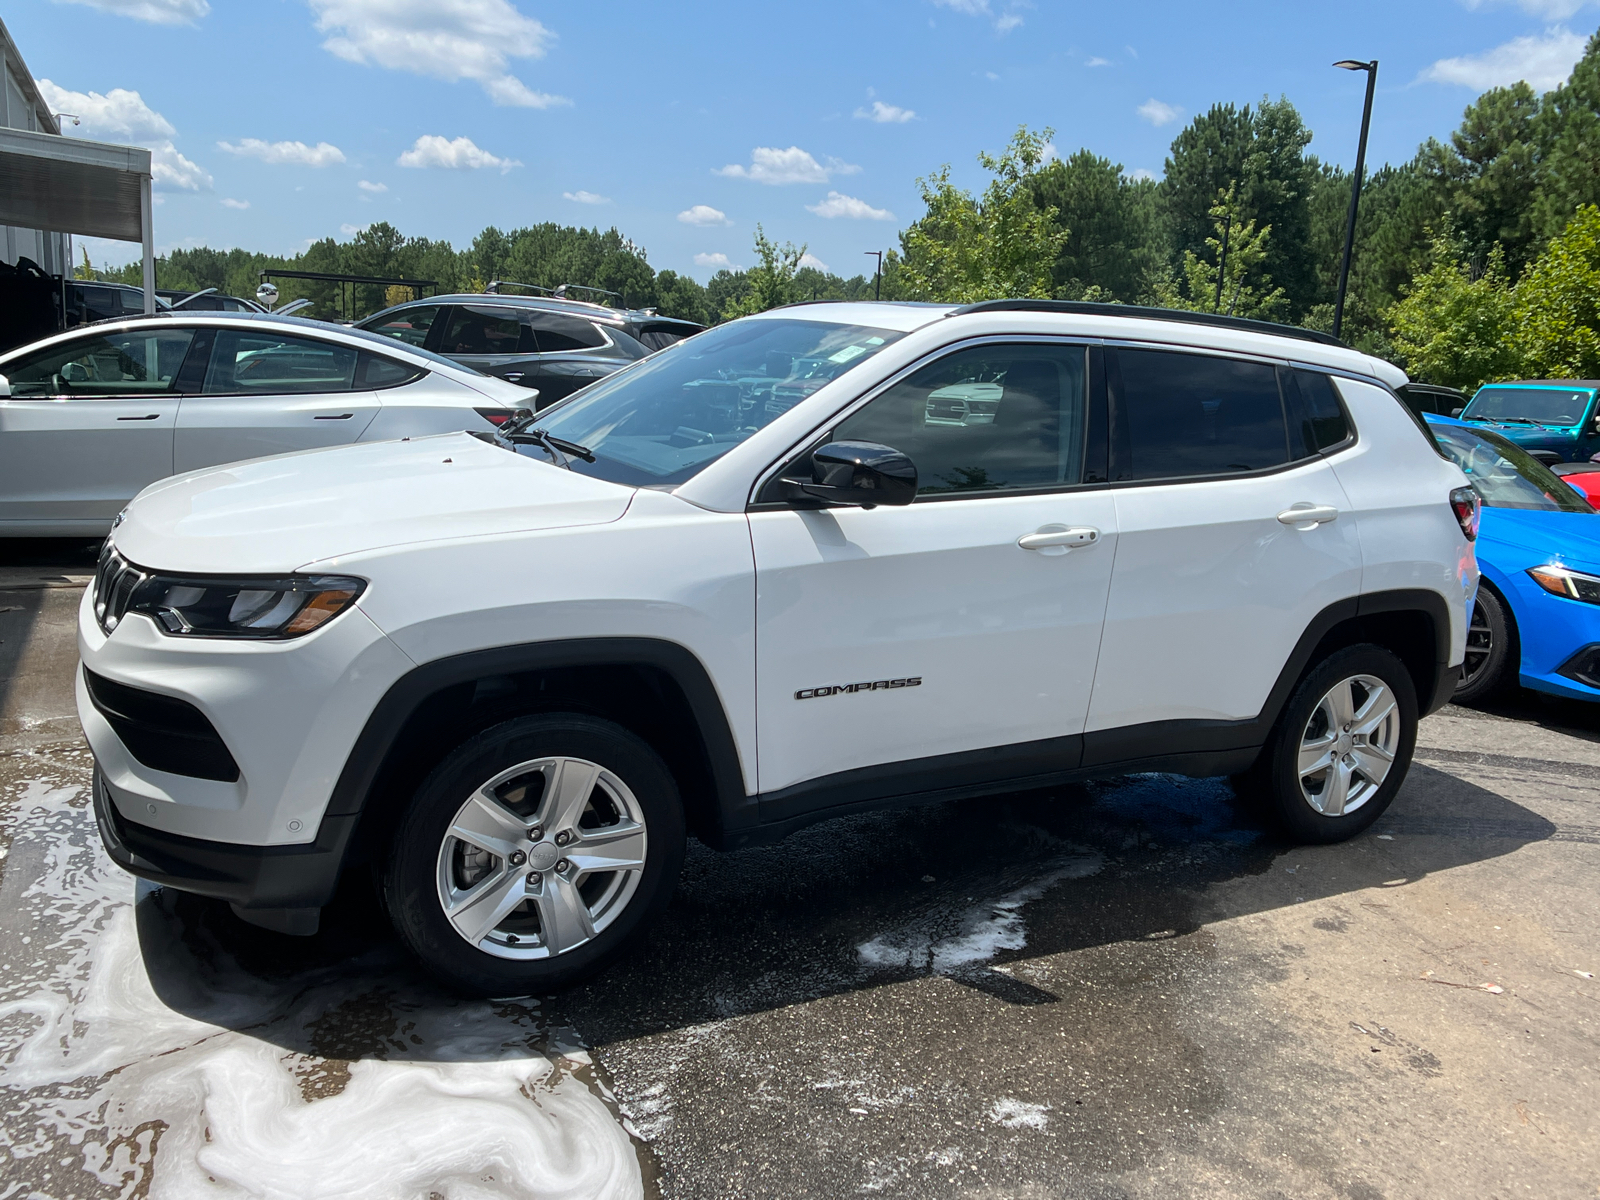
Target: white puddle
x=164, y=1069
x=948, y=942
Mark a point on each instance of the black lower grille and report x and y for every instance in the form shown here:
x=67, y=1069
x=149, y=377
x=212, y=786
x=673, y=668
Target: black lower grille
x=162, y=732
x=1583, y=667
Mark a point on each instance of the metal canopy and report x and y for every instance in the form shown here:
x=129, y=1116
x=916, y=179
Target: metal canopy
x=69, y=185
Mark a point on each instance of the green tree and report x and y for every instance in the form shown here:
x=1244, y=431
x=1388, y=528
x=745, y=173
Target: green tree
x=1230, y=276
x=1002, y=245
x=681, y=296
x=1569, y=175
x=770, y=283
x=1111, y=226
x=1558, y=304
x=1457, y=327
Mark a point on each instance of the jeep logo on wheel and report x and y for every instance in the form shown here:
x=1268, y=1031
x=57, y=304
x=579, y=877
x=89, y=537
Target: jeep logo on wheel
x=877, y=685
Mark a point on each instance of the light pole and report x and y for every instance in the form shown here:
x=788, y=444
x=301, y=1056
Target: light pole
x=877, y=276
x=1371, y=68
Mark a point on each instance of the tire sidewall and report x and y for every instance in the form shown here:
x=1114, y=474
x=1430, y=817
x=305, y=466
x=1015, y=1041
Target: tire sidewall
x=1293, y=812
x=1493, y=676
x=410, y=870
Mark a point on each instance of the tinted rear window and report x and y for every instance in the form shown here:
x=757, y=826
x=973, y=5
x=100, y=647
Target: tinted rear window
x=1178, y=415
x=557, y=331
x=1323, y=415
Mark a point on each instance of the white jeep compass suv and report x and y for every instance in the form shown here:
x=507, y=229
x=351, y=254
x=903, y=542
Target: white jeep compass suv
x=826, y=558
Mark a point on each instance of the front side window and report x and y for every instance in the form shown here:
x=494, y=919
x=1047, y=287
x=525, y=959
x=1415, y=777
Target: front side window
x=1528, y=405
x=988, y=419
x=248, y=363
x=483, y=329
x=1504, y=474
x=408, y=325
x=127, y=363
x=557, y=331
x=1176, y=415
x=665, y=418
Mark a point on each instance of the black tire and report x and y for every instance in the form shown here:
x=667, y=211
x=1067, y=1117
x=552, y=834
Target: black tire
x=1492, y=650
x=633, y=787
x=1277, y=777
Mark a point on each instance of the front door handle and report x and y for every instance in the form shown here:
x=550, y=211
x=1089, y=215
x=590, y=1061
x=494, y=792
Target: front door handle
x=340, y=417
x=513, y=376
x=1058, y=539
x=1308, y=516
x=148, y=417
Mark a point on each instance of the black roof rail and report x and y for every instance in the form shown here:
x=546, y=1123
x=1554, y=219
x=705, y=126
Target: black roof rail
x=1089, y=308
x=562, y=290
x=495, y=285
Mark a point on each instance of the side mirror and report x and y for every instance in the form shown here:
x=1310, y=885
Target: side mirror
x=1456, y=412
x=864, y=473
x=5, y=386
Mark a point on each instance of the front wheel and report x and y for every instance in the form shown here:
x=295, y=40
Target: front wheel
x=530, y=857
x=1342, y=745
x=1491, y=649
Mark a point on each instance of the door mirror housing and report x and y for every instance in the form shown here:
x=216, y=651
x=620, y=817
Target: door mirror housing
x=1456, y=412
x=863, y=473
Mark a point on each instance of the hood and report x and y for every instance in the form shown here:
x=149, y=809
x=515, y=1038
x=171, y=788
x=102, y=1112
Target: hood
x=1532, y=437
x=277, y=514
x=1561, y=537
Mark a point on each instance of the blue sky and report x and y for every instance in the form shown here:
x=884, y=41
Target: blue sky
x=275, y=122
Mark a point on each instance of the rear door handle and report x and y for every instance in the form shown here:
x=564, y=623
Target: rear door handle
x=1059, y=538
x=340, y=417
x=1308, y=514
x=513, y=376
x=149, y=417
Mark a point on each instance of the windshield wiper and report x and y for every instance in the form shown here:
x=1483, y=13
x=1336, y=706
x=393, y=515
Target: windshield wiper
x=1519, y=421
x=561, y=451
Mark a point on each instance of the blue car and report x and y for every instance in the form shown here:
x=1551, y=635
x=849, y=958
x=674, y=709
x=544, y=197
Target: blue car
x=1555, y=420
x=1536, y=620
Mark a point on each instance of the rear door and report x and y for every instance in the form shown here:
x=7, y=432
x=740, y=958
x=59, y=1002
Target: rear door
x=491, y=338
x=1216, y=579
x=89, y=423
x=265, y=392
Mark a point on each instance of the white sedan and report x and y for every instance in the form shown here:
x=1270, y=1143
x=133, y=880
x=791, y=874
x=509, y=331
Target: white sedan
x=89, y=418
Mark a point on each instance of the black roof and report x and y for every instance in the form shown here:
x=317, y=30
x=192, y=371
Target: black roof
x=1091, y=309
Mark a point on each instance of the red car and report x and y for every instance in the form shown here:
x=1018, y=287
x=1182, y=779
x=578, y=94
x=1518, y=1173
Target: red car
x=1584, y=477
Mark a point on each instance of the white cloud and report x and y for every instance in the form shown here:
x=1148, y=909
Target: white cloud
x=768, y=164
x=1048, y=153
x=366, y=185
x=157, y=12
x=122, y=116
x=990, y=75
x=704, y=214
x=277, y=153
x=431, y=150
x=1097, y=61
x=886, y=114
x=1543, y=62
x=1006, y=23
x=1003, y=23
x=714, y=260
x=351, y=230
x=119, y=115
x=1157, y=113
x=1550, y=10
x=815, y=263
x=239, y=204
x=839, y=205
x=1141, y=173
x=444, y=39
x=582, y=197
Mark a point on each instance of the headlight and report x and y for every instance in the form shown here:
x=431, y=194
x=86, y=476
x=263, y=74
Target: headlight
x=210, y=606
x=1569, y=585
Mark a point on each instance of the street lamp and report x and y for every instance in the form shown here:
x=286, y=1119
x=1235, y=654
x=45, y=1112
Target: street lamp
x=877, y=276
x=1371, y=68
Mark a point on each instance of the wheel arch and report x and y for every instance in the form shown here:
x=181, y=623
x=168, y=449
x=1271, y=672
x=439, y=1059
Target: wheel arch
x=657, y=689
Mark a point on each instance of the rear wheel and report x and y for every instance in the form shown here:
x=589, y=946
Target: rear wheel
x=531, y=856
x=1491, y=646
x=1342, y=746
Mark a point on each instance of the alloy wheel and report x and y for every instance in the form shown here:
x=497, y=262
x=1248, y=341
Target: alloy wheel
x=1348, y=745
x=1480, y=646
x=541, y=858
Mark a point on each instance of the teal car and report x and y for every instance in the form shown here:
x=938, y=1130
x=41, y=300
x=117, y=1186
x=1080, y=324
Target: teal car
x=1555, y=420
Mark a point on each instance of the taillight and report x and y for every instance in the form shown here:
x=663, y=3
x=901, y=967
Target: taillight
x=1465, y=504
x=496, y=416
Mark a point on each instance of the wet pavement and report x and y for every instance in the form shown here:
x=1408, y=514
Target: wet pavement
x=1119, y=990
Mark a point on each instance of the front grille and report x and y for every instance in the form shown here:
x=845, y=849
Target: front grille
x=1583, y=667
x=115, y=581
x=162, y=732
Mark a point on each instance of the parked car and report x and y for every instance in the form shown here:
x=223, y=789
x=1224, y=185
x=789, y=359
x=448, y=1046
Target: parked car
x=556, y=346
x=1536, y=620
x=1555, y=420
x=90, y=417
x=1425, y=398
x=91, y=301
x=1583, y=477
x=208, y=301
x=509, y=672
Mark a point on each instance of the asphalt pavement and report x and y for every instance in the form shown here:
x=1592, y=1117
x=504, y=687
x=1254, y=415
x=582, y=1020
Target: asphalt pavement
x=1126, y=989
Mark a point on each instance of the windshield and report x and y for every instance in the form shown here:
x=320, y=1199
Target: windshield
x=1503, y=474
x=665, y=418
x=1519, y=405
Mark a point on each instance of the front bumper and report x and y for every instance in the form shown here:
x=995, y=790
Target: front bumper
x=249, y=877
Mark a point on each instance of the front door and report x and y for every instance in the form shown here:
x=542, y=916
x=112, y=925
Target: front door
x=904, y=649
x=1216, y=578
x=494, y=339
x=88, y=424
x=269, y=393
